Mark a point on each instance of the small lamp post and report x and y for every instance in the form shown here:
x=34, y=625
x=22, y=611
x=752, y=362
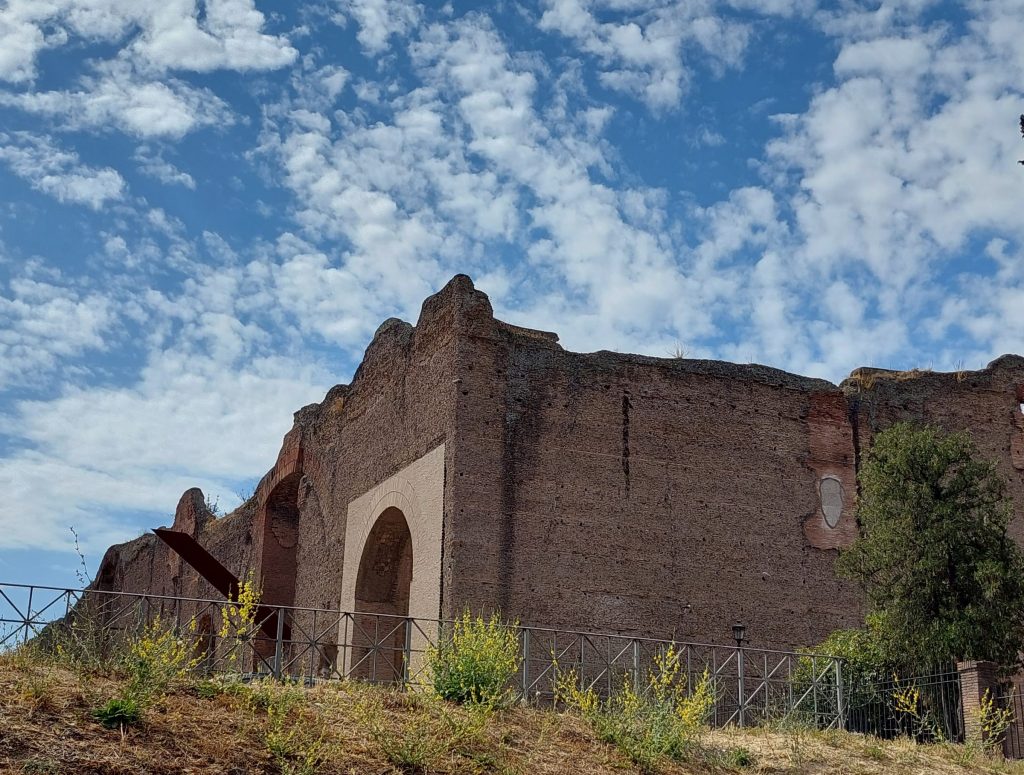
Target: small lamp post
x=738, y=631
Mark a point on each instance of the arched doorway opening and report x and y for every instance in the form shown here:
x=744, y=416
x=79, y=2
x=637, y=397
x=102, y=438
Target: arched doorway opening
x=281, y=535
x=382, y=600
x=278, y=522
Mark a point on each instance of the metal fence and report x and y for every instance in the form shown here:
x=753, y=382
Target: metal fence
x=925, y=708
x=1010, y=698
x=749, y=686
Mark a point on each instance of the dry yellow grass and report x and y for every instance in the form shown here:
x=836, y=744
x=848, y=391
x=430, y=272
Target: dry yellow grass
x=46, y=726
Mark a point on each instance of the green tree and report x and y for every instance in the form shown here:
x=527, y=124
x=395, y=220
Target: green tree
x=943, y=579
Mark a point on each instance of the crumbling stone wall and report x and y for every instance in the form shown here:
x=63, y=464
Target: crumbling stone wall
x=649, y=496
x=590, y=491
x=398, y=407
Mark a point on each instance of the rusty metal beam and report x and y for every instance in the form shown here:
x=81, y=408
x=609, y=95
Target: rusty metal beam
x=204, y=563
x=211, y=569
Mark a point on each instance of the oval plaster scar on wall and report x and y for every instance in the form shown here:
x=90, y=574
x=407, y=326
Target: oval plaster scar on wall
x=830, y=490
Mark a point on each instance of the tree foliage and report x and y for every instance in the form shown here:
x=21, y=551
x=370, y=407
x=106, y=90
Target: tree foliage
x=943, y=579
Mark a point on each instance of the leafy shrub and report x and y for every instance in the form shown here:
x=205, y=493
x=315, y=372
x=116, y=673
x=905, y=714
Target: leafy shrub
x=157, y=661
x=154, y=663
x=866, y=671
x=118, y=712
x=739, y=758
x=659, y=719
x=238, y=618
x=864, y=659
x=993, y=722
x=291, y=739
x=476, y=661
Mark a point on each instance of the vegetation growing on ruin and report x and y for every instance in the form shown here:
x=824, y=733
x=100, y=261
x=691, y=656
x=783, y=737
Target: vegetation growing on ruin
x=942, y=576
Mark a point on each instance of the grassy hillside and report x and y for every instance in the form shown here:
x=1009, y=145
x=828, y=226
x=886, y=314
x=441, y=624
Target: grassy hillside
x=47, y=725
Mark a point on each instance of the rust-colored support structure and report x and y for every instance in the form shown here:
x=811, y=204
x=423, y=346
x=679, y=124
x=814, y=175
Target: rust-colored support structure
x=223, y=580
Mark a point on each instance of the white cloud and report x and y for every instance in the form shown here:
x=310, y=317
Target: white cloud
x=117, y=97
x=609, y=247
x=59, y=173
x=154, y=165
x=42, y=323
x=165, y=34
x=380, y=20
x=186, y=423
x=899, y=163
x=209, y=407
x=649, y=50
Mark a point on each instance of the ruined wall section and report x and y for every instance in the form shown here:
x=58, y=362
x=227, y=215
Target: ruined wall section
x=592, y=491
x=648, y=496
x=986, y=403
x=399, y=406
x=148, y=565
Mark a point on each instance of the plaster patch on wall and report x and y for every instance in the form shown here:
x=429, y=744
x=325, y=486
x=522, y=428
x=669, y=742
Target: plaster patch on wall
x=830, y=493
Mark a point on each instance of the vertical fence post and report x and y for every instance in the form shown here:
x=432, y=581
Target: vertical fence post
x=407, y=653
x=636, y=666
x=840, y=710
x=314, y=652
x=345, y=649
x=525, y=686
x=814, y=687
x=28, y=616
x=739, y=682
x=279, y=644
x=582, y=678
x=717, y=680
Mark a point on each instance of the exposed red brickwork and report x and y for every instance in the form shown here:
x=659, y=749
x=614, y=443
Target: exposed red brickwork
x=832, y=456
x=601, y=491
x=979, y=681
x=1017, y=435
x=644, y=495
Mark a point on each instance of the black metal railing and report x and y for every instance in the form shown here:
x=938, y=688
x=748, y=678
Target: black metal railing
x=749, y=686
x=925, y=708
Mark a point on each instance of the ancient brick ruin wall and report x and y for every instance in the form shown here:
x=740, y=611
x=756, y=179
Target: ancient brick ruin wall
x=986, y=403
x=602, y=491
x=663, y=496
x=399, y=406
x=650, y=496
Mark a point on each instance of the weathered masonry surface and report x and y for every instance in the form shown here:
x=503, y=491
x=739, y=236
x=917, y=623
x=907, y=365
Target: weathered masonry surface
x=471, y=463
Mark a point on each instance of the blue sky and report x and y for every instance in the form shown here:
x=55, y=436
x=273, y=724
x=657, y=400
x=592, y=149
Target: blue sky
x=206, y=208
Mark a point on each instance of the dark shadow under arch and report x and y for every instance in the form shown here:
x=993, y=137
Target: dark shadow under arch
x=278, y=563
x=383, y=585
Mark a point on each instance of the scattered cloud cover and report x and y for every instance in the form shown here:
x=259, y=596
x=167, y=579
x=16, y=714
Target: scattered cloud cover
x=38, y=161
x=209, y=206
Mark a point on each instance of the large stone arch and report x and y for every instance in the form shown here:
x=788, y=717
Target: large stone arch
x=385, y=568
x=382, y=591
x=277, y=523
x=416, y=493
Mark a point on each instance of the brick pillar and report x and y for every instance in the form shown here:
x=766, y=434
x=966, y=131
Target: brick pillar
x=976, y=679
